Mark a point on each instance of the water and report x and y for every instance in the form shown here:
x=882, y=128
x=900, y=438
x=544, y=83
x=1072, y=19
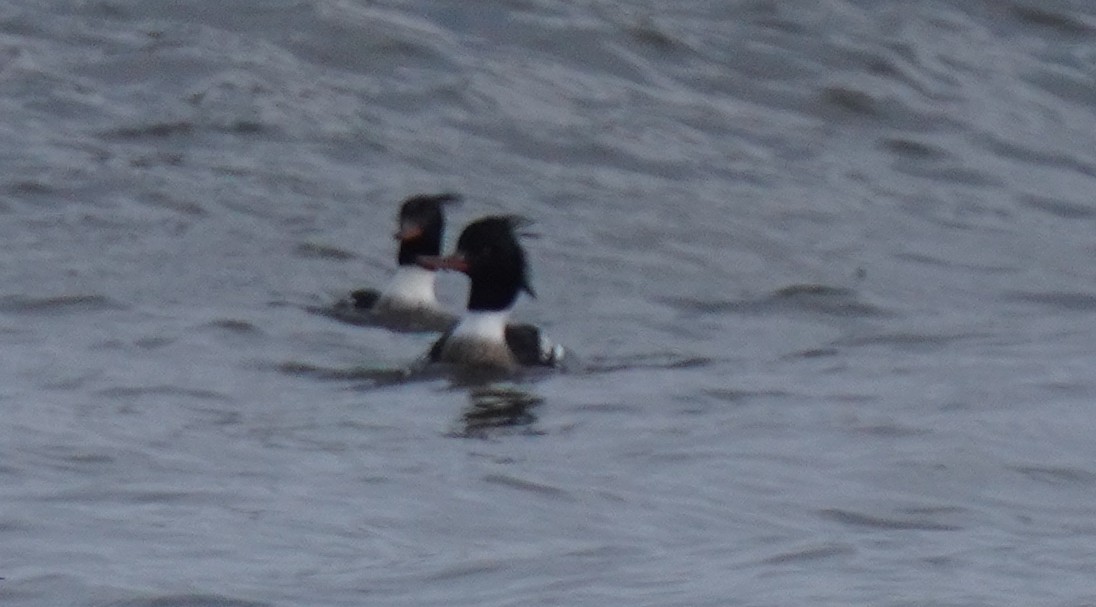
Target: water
x=826, y=269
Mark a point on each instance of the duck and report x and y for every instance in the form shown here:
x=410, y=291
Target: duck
x=489, y=253
x=409, y=301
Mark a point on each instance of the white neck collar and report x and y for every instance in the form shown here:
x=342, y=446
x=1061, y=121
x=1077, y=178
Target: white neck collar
x=483, y=326
x=411, y=285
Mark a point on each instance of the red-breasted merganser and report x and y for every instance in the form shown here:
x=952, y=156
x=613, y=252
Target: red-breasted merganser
x=488, y=251
x=408, y=302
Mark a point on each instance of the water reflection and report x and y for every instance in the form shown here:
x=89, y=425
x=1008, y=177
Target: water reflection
x=495, y=404
x=369, y=377
x=498, y=409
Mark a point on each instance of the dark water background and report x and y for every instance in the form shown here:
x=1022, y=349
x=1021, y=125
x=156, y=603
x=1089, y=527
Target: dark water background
x=827, y=267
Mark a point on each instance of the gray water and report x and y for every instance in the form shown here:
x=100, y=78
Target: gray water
x=826, y=269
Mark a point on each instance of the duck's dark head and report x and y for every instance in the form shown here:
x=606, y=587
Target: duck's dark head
x=488, y=251
x=422, y=226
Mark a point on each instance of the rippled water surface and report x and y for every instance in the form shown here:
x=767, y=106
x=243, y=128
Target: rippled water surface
x=826, y=270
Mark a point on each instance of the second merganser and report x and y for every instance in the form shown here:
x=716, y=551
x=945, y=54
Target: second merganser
x=408, y=302
x=488, y=251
